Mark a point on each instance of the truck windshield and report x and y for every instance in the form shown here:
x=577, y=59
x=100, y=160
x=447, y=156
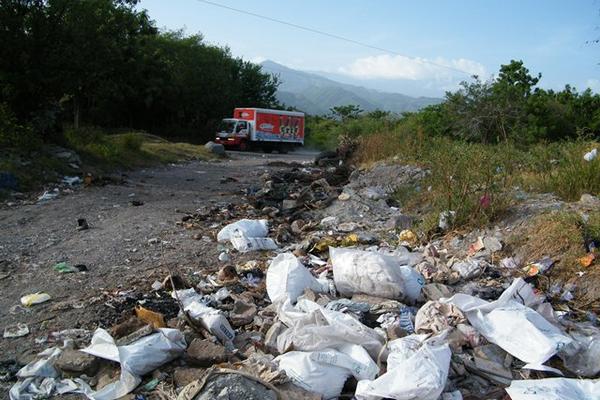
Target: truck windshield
x=227, y=126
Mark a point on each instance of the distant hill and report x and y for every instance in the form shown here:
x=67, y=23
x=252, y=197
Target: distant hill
x=315, y=94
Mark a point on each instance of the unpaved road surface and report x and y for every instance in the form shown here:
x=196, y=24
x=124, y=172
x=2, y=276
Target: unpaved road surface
x=126, y=248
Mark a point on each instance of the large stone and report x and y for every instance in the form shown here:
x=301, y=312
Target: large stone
x=184, y=376
x=243, y=313
x=77, y=362
x=215, y=148
x=205, y=353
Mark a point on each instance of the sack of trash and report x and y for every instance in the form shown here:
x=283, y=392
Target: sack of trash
x=325, y=371
x=244, y=244
x=365, y=272
x=213, y=320
x=253, y=228
x=288, y=278
x=417, y=368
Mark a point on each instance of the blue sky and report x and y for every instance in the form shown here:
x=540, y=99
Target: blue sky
x=477, y=36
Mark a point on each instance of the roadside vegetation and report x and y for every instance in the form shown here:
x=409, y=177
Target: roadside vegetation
x=485, y=146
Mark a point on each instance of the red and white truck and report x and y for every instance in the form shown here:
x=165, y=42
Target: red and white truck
x=262, y=128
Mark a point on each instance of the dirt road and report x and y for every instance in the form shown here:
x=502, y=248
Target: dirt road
x=126, y=248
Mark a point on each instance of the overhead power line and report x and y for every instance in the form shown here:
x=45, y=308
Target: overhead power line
x=332, y=35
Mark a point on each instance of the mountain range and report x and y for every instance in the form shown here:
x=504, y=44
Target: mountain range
x=315, y=94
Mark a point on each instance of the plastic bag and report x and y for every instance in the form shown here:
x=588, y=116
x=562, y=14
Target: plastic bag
x=136, y=359
x=554, y=389
x=326, y=371
x=248, y=227
x=211, y=319
x=365, y=272
x=585, y=359
x=591, y=155
x=287, y=278
x=312, y=327
x=417, y=368
x=244, y=243
x=512, y=325
x=35, y=298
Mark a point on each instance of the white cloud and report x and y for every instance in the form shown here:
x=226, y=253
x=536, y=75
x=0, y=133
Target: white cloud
x=398, y=67
x=257, y=59
x=593, y=84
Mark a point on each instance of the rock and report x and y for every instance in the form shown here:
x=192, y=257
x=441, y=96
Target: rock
x=234, y=386
x=77, y=362
x=272, y=334
x=436, y=291
x=242, y=314
x=215, y=148
x=289, y=204
x=344, y=196
x=205, y=353
x=588, y=200
x=184, y=376
x=399, y=222
x=492, y=244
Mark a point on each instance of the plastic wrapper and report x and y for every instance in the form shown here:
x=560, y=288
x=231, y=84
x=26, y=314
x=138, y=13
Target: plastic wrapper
x=136, y=359
x=248, y=227
x=554, y=389
x=417, y=368
x=244, y=243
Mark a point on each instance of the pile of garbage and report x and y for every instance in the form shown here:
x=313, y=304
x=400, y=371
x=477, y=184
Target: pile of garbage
x=305, y=306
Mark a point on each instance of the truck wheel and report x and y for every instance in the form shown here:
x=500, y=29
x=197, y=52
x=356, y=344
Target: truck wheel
x=243, y=146
x=283, y=150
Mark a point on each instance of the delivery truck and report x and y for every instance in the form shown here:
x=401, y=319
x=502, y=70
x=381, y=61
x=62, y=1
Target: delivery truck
x=260, y=128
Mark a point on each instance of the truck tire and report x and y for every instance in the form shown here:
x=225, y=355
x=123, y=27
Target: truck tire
x=243, y=146
x=283, y=149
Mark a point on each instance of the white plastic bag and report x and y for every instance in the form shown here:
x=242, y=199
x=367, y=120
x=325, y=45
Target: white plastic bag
x=211, y=319
x=244, y=243
x=287, y=278
x=417, y=368
x=512, y=325
x=136, y=359
x=591, y=155
x=312, y=327
x=325, y=371
x=365, y=272
x=554, y=389
x=248, y=227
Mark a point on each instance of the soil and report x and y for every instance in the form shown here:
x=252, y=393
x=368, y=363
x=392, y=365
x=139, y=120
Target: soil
x=125, y=250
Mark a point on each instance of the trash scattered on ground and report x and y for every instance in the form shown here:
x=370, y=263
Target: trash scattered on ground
x=319, y=287
x=49, y=195
x=591, y=155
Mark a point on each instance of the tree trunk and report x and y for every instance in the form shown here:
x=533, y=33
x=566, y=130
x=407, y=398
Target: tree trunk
x=75, y=113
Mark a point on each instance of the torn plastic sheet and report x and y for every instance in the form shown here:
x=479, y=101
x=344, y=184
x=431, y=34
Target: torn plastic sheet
x=497, y=321
x=212, y=319
x=136, y=359
x=287, y=278
x=326, y=371
x=417, y=368
x=554, y=389
x=254, y=228
x=312, y=328
x=39, y=379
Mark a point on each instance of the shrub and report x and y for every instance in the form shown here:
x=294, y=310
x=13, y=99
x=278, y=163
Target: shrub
x=14, y=135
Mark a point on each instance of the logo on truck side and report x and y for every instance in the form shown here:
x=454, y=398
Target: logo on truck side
x=245, y=114
x=266, y=127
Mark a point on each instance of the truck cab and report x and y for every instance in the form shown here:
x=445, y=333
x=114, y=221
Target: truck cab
x=234, y=132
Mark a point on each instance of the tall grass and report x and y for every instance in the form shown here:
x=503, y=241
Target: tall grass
x=477, y=181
